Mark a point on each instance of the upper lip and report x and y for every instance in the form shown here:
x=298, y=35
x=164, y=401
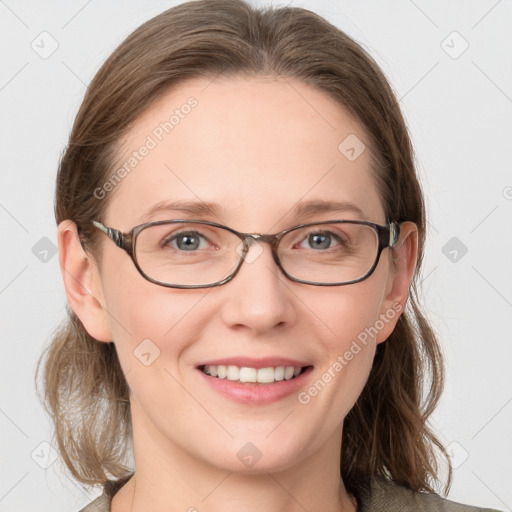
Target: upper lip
x=263, y=362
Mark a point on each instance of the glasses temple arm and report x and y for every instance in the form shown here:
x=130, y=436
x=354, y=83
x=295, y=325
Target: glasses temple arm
x=394, y=233
x=115, y=235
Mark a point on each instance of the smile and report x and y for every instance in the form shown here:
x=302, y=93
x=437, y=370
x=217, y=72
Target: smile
x=253, y=375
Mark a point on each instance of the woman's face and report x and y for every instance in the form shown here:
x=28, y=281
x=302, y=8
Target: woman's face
x=257, y=149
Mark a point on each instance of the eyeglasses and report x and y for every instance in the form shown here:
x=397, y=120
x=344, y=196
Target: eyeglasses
x=200, y=254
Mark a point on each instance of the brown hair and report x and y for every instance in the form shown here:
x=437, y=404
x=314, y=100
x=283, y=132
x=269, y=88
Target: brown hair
x=386, y=433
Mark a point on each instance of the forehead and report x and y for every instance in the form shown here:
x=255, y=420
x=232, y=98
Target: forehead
x=256, y=147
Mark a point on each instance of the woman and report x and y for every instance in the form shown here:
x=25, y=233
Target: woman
x=240, y=227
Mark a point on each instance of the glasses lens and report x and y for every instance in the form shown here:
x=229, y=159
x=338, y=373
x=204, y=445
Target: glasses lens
x=329, y=253
x=187, y=254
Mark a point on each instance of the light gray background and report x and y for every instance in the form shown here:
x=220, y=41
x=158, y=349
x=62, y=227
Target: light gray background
x=458, y=108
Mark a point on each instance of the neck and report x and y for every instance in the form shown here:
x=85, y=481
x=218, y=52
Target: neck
x=171, y=477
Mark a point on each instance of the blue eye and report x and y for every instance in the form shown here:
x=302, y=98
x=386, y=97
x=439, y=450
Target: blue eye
x=319, y=240
x=188, y=241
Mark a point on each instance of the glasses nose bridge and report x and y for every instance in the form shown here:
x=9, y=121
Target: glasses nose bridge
x=250, y=238
x=270, y=239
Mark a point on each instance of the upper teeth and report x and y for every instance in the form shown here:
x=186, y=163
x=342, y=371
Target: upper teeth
x=244, y=374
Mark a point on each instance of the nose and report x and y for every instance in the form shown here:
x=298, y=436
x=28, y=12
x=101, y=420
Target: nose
x=259, y=297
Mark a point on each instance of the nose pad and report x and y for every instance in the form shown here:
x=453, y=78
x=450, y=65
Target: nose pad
x=257, y=300
x=249, y=249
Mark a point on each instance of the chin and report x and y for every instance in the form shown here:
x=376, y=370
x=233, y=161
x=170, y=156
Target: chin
x=258, y=456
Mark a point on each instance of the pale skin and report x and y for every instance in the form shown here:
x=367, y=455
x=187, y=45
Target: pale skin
x=257, y=148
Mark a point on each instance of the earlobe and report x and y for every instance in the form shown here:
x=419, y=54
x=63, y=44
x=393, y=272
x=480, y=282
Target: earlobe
x=404, y=260
x=82, y=282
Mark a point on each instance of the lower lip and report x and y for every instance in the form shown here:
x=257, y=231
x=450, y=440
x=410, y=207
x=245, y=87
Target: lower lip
x=257, y=394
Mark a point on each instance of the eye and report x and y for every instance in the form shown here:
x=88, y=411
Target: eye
x=320, y=240
x=186, y=241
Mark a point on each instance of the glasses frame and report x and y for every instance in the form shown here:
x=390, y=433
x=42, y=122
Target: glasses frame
x=387, y=236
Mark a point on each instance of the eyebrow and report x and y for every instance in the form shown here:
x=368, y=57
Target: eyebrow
x=300, y=211
x=314, y=207
x=197, y=208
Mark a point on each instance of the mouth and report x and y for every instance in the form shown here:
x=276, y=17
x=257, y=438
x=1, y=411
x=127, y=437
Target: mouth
x=244, y=374
x=255, y=382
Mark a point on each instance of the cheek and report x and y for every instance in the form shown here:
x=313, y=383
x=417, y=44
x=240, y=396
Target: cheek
x=348, y=313
x=150, y=324
x=349, y=319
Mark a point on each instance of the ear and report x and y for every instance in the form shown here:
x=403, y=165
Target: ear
x=404, y=256
x=82, y=282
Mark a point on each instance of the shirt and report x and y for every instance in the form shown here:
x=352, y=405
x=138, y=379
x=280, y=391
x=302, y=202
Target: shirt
x=385, y=496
